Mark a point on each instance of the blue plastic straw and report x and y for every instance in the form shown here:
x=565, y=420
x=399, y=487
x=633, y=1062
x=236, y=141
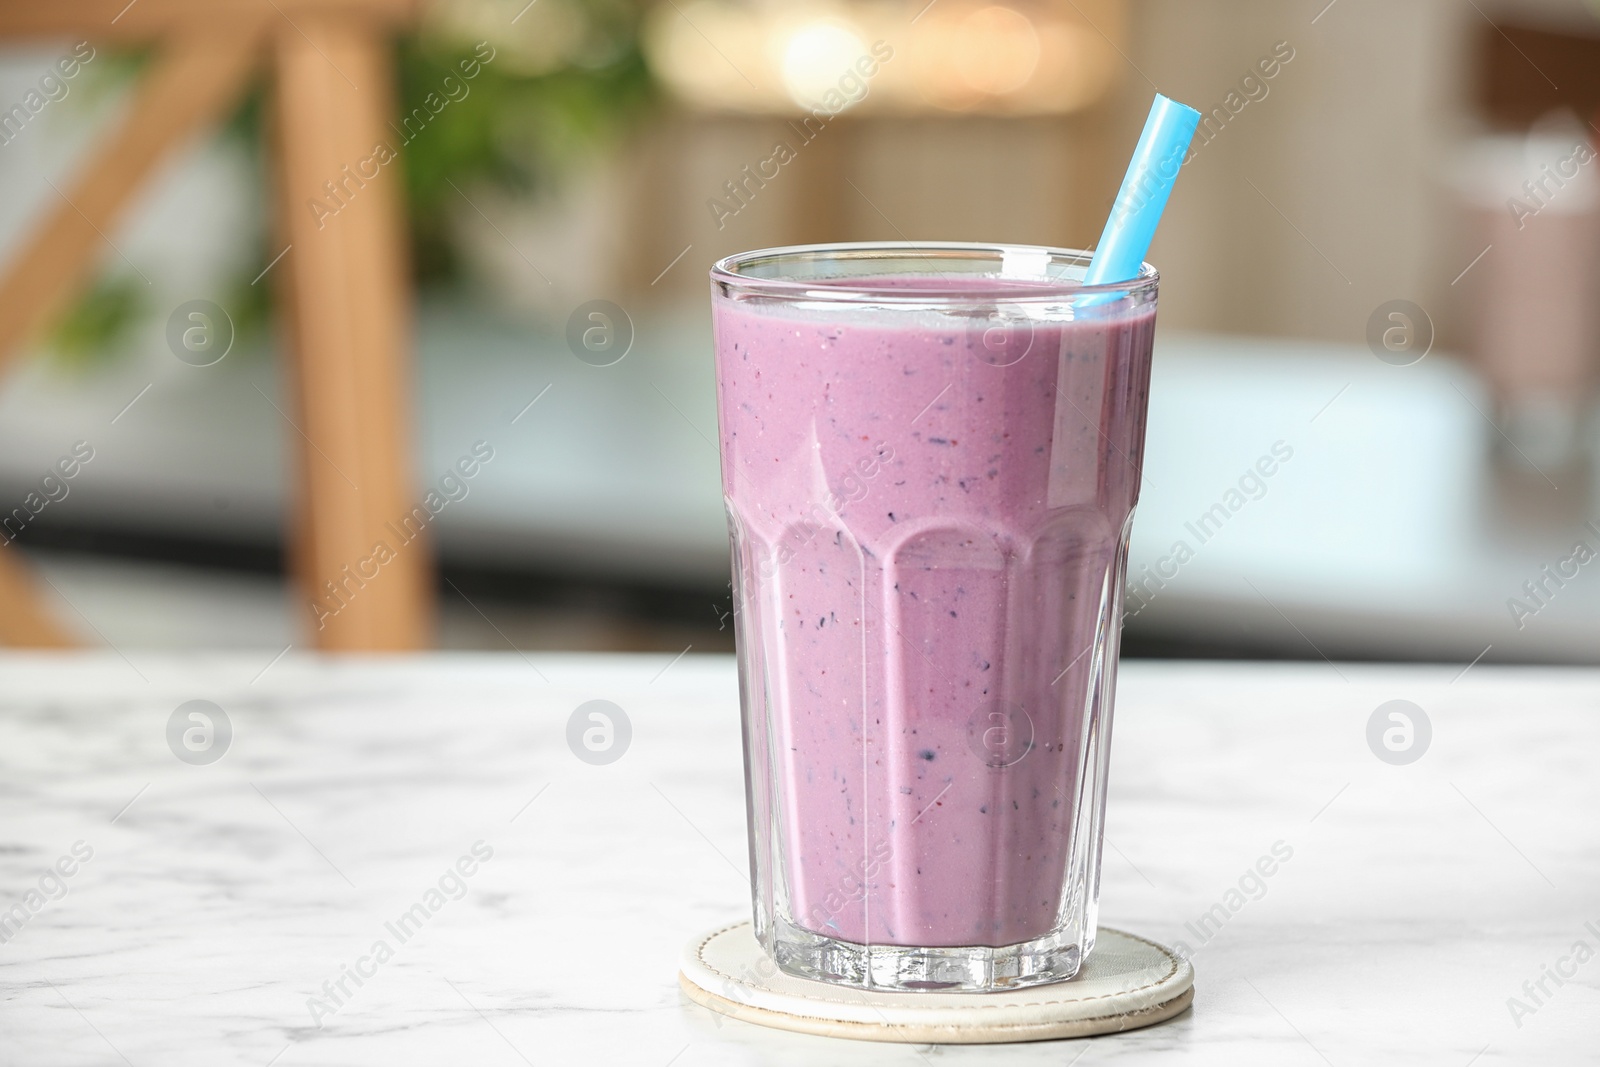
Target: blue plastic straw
x=1143, y=196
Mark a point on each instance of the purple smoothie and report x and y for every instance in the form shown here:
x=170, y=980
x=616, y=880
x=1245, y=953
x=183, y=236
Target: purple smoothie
x=926, y=546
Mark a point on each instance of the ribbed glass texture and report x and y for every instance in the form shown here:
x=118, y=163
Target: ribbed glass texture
x=930, y=462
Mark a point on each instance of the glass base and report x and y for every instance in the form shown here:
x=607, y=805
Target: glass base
x=963, y=969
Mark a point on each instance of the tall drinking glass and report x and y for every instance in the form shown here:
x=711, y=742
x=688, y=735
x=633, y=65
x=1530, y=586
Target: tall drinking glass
x=930, y=457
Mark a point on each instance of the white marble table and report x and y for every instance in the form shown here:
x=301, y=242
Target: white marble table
x=219, y=898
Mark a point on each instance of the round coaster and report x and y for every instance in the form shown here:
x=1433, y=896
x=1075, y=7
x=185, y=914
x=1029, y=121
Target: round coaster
x=1126, y=983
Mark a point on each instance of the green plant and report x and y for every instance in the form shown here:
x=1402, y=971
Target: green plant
x=94, y=327
x=526, y=118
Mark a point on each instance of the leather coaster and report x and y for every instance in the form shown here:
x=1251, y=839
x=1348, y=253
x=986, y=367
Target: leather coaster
x=1126, y=983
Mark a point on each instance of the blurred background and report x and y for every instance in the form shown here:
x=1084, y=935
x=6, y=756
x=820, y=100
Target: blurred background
x=1381, y=256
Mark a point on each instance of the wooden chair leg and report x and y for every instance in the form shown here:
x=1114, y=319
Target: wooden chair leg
x=365, y=581
x=24, y=620
x=197, y=78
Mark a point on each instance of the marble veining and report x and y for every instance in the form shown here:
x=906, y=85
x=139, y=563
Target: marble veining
x=221, y=905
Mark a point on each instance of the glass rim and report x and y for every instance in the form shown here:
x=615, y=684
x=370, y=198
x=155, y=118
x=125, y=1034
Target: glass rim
x=731, y=271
